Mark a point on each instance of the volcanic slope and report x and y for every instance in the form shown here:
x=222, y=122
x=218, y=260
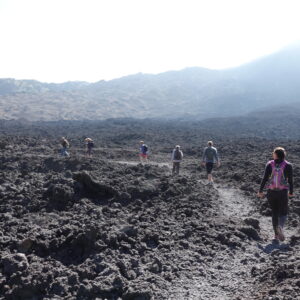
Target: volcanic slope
x=194, y=93
x=103, y=228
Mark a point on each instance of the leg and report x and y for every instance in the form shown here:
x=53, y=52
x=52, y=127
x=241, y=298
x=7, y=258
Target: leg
x=63, y=151
x=209, y=167
x=174, y=167
x=211, y=177
x=283, y=208
x=178, y=167
x=208, y=171
x=273, y=202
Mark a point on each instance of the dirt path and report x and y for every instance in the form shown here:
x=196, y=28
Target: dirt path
x=135, y=163
x=228, y=275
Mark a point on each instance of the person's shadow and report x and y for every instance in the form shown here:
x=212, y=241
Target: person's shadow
x=274, y=245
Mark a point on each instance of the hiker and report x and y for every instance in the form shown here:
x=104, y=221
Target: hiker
x=209, y=159
x=89, y=146
x=278, y=177
x=177, y=156
x=143, y=152
x=65, y=145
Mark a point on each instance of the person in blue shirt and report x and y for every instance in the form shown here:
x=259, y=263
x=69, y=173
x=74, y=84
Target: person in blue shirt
x=143, y=152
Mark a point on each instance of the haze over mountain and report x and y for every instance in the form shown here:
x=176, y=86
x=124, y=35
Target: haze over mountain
x=194, y=93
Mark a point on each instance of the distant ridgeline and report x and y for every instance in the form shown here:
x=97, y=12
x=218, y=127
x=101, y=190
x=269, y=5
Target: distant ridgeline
x=192, y=93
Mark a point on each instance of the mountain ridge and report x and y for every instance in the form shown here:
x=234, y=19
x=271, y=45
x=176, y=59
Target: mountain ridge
x=193, y=92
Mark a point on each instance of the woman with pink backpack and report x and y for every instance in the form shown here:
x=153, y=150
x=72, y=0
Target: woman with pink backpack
x=279, y=180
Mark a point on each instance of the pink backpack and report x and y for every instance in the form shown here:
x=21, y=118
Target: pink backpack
x=277, y=180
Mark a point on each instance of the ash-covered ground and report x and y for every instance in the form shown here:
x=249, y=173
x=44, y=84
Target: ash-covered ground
x=108, y=227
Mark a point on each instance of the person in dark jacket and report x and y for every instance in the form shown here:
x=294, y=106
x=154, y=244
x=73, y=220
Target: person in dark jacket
x=177, y=157
x=278, y=177
x=89, y=146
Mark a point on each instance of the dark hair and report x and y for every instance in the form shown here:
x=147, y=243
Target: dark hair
x=280, y=152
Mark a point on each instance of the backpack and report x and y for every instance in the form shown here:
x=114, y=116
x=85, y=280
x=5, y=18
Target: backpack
x=177, y=155
x=91, y=144
x=277, y=180
x=145, y=148
x=65, y=144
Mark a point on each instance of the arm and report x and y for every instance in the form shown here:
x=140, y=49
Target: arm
x=289, y=171
x=172, y=157
x=217, y=156
x=267, y=174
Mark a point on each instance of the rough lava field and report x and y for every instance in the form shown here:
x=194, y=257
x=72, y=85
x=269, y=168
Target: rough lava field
x=110, y=228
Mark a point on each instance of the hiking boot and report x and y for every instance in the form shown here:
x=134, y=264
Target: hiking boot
x=280, y=234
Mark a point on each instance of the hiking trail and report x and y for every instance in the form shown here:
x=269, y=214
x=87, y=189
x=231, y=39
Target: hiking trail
x=230, y=273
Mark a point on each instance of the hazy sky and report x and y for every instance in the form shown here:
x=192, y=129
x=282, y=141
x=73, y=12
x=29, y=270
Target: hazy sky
x=90, y=40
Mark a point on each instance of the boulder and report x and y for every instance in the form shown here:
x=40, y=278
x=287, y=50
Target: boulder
x=13, y=263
